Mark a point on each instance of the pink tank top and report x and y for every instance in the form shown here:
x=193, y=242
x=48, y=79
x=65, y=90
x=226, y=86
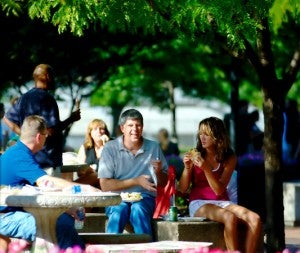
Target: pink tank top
x=200, y=187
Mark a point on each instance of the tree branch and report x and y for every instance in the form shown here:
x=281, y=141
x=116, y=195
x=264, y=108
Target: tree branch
x=293, y=69
x=165, y=14
x=264, y=51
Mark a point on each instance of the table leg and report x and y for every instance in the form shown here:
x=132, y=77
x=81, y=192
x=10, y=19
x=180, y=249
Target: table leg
x=45, y=226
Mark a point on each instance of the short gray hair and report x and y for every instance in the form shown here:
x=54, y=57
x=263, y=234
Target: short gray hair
x=130, y=114
x=32, y=125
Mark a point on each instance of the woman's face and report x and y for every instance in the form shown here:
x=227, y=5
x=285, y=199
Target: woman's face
x=205, y=137
x=96, y=132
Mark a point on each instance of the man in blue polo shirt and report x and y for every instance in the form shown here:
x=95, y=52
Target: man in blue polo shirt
x=18, y=167
x=132, y=163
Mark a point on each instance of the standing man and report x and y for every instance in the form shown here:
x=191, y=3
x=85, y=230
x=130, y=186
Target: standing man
x=125, y=166
x=18, y=168
x=39, y=101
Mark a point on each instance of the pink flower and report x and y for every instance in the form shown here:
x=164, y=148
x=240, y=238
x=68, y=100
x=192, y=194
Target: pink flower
x=17, y=246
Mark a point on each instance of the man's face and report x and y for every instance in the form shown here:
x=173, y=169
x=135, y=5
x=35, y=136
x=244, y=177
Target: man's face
x=132, y=130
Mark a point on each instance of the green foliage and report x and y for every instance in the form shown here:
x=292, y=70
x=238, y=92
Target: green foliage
x=121, y=88
x=281, y=10
x=72, y=15
x=11, y=7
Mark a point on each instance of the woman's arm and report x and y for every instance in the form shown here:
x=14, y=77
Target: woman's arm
x=185, y=179
x=219, y=186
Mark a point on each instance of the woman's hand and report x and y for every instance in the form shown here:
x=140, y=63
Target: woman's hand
x=187, y=160
x=199, y=161
x=104, y=138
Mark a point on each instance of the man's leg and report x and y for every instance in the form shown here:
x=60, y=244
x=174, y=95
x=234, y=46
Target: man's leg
x=18, y=225
x=118, y=217
x=66, y=234
x=141, y=215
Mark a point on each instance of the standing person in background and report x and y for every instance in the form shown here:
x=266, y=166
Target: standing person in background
x=291, y=134
x=132, y=163
x=242, y=130
x=207, y=172
x=39, y=101
x=18, y=168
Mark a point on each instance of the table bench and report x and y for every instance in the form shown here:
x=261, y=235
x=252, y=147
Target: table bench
x=196, y=231
x=291, y=201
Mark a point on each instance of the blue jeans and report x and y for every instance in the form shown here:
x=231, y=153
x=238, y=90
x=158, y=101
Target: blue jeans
x=139, y=214
x=18, y=225
x=22, y=225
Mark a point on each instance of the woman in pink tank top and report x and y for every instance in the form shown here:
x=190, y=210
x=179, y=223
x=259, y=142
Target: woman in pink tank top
x=207, y=172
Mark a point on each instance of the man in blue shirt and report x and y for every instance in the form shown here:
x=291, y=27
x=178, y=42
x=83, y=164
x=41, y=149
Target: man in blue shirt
x=130, y=164
x=18, y=167
x=39, y=101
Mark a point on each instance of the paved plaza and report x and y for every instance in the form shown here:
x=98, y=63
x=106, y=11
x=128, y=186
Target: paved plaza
x=292, y=238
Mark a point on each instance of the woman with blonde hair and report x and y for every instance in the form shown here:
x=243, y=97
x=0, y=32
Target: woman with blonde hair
x=95, y=138
x=207, y=171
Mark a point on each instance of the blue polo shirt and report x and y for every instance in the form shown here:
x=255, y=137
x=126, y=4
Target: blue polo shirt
x=19, y=167
x=119, y=163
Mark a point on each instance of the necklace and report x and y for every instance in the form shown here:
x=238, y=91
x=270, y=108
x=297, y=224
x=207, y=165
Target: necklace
x=215, y=169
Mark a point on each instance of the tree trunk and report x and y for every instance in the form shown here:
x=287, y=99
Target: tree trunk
x=170, y=87
x=173, y=111
x=273, y=117
x=116, y=112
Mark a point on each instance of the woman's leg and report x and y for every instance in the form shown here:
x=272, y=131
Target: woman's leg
x=253, y=222
x=224, y=216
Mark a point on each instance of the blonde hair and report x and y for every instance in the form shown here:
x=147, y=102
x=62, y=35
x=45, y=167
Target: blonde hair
x=215, y=128
x=32, y=125
x=89, y=142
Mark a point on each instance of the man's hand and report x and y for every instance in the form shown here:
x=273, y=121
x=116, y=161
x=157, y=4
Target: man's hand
x=76, y=115
x=145, y=183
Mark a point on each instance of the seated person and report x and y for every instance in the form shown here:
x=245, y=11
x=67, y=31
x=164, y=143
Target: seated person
x=18, y=168
x=168, y=147
x=95, y=138
x=207, y=171
x=90, y=151
x=126, y=167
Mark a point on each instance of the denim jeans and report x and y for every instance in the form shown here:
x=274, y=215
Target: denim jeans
x=18, y=225
x=66, y=234
x=139, y=214
x=22, y=225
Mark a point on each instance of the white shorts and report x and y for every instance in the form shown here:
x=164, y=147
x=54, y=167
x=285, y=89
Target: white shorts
x=196, y=204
